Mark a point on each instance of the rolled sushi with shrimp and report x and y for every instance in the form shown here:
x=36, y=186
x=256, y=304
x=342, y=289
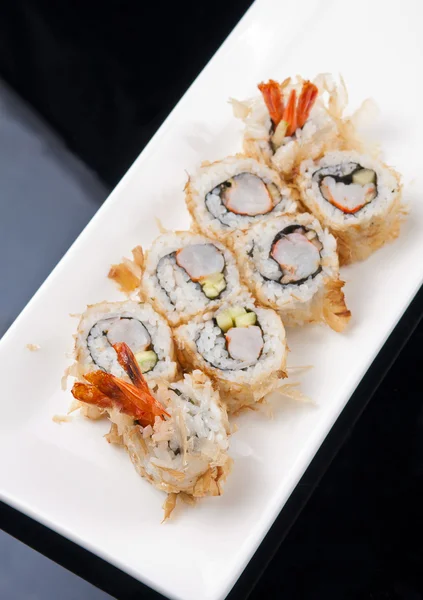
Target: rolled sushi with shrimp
x=242, y=348
x=293, y=120
x=176, y=433
x=186, y=274
x=139, y=326
x=357, y=197
x=291, y=265
x=234, y=193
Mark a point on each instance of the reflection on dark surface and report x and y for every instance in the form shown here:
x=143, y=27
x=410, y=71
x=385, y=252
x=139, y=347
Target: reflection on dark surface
x=25, y=574
x=47, y=197
x=106, y=75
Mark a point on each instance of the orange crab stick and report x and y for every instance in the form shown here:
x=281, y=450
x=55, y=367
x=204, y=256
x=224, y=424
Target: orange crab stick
x=345, y=209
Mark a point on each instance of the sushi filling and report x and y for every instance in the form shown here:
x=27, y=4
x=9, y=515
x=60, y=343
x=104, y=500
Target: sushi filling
x=234, y=340
x=132, y=332
x=294, y=256
x=244, y=194
x=287, y=114
x=201, y=265
x=349, y=187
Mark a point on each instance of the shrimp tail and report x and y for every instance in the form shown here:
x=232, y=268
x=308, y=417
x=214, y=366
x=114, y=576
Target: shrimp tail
x=107, y=391
x=85, y=392
x=273, y=99
x=290, y=113
x=305, y=102
x=129, y=363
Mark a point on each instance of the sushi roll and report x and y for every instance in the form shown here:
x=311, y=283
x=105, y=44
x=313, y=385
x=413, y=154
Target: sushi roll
x=188, y=450
x=290, y=264
x=176, y=434
x=138, y=325
x=240, y=346
x=356, y=197
x=293, y=120
x=234, y=193
x=186, y=274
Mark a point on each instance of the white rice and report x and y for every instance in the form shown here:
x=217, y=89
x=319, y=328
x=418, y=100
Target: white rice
x=156, y=326
x=193, y=438
x=175, y=295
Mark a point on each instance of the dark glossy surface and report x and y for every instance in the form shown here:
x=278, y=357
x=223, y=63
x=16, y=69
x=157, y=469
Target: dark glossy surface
x=105, y=75
x=360, y=535
x=47, y=196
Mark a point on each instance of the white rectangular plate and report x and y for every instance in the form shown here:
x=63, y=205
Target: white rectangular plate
x=67, y=476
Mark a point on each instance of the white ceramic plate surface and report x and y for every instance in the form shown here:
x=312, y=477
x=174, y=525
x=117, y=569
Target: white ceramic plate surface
x=67, y=476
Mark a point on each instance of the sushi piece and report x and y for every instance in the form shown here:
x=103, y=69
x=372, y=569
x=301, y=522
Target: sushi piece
x=145, y=332
x=186, y=274
x=176, y=434
x=356, y=197
x=234, y=193
x=241, y=347
x=290, y=264
x=293, y=120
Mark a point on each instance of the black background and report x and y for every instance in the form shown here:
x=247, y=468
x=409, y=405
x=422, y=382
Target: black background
x=105, y=75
